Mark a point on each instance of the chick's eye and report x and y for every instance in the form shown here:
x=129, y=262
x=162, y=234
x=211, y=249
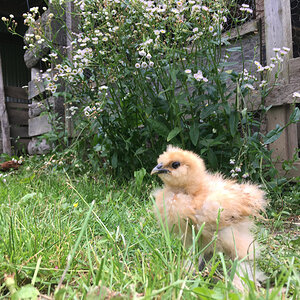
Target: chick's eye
x=175, y=164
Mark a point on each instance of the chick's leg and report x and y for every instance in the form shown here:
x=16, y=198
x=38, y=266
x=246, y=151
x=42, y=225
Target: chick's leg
x=238, y=243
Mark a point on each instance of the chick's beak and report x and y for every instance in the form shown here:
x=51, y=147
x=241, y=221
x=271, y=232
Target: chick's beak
x=159, y=170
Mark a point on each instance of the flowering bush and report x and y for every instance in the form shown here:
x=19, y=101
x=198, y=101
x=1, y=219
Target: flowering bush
x=147, y=73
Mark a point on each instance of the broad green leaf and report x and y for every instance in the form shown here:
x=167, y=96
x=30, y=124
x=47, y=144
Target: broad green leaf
x=60, y=294
x=233, y=122
x=295, y=116
x=26, y=292
x=159, y=127
x=273, y=135
x=207, y=111
x=173, y=75
x=173, y=133
x=204, y=292
x=194, y=134
x=212, y=158
x=114, y=160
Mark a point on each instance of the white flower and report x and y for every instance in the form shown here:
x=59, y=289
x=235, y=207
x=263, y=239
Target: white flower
x=249, y=86
x=286, y=49
x=105, y=39
x=238, y=169
x=199, y=76
x=210, y=29
x=276, y=49
x=257, y=63
x=162, y=31
x=156, y=32
x=188, y=71
x=260, y=68
x=142, y=53
x=232, y=162
x=246, y=175
x=196, y=29
x=245, y=7
x=175, y=10
x=263, y=83
x=296, y=95
x=137, y=65
x=148, y=55
x=144, y=64
x=11, y=16
x=151, y=64
x=282, y=52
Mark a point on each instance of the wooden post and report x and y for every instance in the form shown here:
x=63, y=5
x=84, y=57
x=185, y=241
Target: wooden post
x=278, y=31
x=278, y=34
x=5, y=130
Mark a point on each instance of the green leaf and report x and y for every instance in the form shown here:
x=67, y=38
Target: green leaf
x=296, y=241
x=234, y=49
x=194, y=134
x=208, y=110
x=114, y=160
x=233, y=122
x=60, y=294
x=173, y=75
x=159, y=127
x=26, y=292
x=212, y=159
x=228, y=64
x=204, y=292
x=295, y=116
x=28, y=196
x=273, y=135
x=173, y=133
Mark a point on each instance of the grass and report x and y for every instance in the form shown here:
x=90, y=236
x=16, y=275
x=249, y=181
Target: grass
x=91, y=237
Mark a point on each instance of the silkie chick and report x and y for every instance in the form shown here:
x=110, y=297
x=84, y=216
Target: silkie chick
x=193, y=195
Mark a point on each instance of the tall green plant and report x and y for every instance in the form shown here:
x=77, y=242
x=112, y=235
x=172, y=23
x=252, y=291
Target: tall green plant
x=144, y=74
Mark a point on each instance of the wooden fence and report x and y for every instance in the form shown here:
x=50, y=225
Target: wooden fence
x=17, y=114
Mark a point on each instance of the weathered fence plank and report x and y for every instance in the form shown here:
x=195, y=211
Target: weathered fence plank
x=38, y=125
x=278, y=30
x=6, y=145
x=15, y=92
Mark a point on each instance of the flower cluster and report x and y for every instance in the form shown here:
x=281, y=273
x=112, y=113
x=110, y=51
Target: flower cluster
x=144, y=60
x=92, y=111
x=198, y=76
x=246, y=8
x=237, y=170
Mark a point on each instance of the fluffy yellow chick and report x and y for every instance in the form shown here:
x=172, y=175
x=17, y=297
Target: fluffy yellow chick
x=192, y=194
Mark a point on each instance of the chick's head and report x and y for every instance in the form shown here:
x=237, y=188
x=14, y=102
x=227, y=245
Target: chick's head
x=179, y=168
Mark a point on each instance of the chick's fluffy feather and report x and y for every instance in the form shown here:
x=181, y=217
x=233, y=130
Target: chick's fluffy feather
x=192, y=194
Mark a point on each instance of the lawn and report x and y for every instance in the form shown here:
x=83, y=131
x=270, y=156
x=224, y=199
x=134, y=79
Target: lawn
x=92, y=236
